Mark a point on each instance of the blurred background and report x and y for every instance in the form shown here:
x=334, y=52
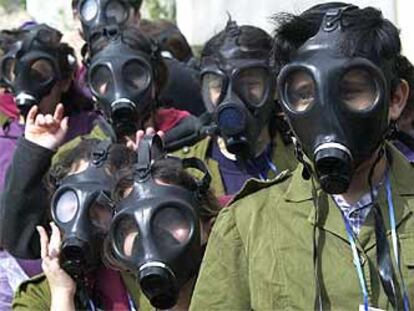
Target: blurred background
x=198, y=19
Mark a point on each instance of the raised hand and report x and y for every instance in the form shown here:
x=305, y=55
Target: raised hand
x=133, y=145
x=62, y=286
x=46, y=130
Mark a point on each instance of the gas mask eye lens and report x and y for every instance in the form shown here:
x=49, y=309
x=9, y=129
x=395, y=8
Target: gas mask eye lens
x=66, y=207
x=251, y=85
x=359, y=89
x=126, y=234
x=212, y=85
x=116, y=11
x=101, y=80
x=170, y=227
x=89, y=10
x=300, y=91
x=9, y=64
x=136, y=76
x=100, y=215
x=41, y=71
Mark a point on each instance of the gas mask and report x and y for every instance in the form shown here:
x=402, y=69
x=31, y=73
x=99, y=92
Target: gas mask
x=156, y=231
x=97, y=15
x=122, y=81
x=82, y=209
x=238, y=89
x=336, y=105
x=31, y=67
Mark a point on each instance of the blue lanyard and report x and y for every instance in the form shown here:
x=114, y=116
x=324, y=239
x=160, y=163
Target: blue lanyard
x=357, y=262
x=394, y=237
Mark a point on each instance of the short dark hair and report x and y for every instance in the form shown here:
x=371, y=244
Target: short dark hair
x=249, y=36
x=171, y=171
x=169, y=36
x=119, y=156
x=368, y=35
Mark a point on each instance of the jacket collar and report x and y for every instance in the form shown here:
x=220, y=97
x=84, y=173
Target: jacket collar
x=329, y=217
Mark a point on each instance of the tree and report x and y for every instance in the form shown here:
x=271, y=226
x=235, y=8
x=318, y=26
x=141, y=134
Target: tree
x=161, y=9
x=12, y=5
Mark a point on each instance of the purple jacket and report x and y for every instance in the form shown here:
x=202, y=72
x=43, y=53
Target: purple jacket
x=79, y=124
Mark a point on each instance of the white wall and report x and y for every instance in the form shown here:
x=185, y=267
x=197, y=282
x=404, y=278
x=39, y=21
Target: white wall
x=199, y=20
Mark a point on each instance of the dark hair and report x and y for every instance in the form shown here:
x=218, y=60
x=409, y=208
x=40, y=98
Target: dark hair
x=170, y=171
x=249, y=37
x=169, y=37
x=368, y=35
x=9, y=37
x=406, y=72
x=137, y=40
x=135, y=3
x=119, y=157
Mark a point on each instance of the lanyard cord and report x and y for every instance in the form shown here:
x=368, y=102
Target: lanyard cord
x=395, y=241
x=357, y=262
x=396, y=254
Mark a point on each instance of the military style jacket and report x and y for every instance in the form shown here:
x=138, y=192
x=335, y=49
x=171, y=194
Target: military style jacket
x=34, y=294
x=283, y=157
x=260, y=251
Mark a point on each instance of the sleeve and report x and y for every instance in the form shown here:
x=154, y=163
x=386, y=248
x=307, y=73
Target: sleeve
x=33, y=295
x=25, y=202
x=223, y=280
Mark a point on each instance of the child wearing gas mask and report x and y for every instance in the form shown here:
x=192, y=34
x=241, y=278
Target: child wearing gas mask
x=162, y=223
x=238, y=88
x=337, y=233
x=81, y=209
x=38, y=69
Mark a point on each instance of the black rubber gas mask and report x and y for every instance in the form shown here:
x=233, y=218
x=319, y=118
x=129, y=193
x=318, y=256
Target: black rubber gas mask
x=31, y=68
x=97, y=15
x=122, y=81
x=336, y=105
x=82, y=209
x=156, y=231
x=238, y=88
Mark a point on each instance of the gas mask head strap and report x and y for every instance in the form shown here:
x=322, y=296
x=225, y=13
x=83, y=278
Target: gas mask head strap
x=204, y=184
x=150, y=149
x=333, y=18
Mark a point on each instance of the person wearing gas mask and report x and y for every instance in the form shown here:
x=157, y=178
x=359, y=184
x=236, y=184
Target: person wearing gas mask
x=337, y=232
x=404, y=139
x=38, y=68
x=182, y=90
x=239, y=91
x=161, y=225
x=81, y=208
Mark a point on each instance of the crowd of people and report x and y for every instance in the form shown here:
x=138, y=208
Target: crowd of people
x=268, y=173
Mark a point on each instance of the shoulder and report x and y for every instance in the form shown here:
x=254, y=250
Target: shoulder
x=96, y=133
x=198, y=150
x=33, y=294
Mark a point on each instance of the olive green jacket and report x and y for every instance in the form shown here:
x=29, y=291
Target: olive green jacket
x=260, y=251
x=34, y=294
x=283, y=157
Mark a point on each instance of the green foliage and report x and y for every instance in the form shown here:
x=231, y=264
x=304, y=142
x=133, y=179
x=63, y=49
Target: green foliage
x=12, y=5
x=161, y=9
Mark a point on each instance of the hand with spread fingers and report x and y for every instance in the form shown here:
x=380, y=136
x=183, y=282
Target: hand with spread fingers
x=133, y=145
x=62, y=286
x=46, y=130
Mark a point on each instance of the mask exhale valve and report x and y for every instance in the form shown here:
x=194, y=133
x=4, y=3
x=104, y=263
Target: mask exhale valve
x=333, y=163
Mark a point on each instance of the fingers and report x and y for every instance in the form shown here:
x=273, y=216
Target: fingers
x=55, y=241
x=59, y=113
x=64, y=125
x=30, y=119
x=161, y=134
x=49, y=120
x=40, y=120
x=150, y=131
x=44, y=242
